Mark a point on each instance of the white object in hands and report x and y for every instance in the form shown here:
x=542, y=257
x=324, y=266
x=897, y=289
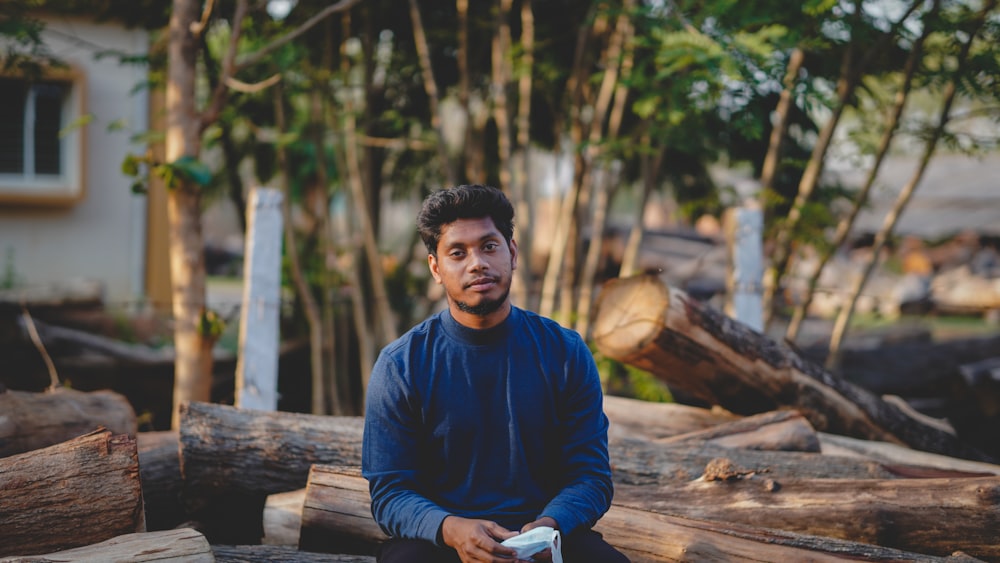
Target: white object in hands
x=536, y=540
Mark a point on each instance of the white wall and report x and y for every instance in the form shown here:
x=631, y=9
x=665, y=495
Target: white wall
x=101, y=237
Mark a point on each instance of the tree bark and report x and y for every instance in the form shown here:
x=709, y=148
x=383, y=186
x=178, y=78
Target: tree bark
x=771, y=431
x=933, y=516
x=169, y=546
x=280, y=554
x=634, y=418
x=35, y=420
x=230, y=450
x=643, y=322
x=643, y=463
x=72, y=494
x=338, y=502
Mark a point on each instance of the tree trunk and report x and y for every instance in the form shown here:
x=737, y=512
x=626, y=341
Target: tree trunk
x=781, y=119
x=35, y=420
x=72, y=494
x=643, y=322
x=170, y=546
x=338, y=502
x=430, y=87
x=192, y=372
x=933, y=516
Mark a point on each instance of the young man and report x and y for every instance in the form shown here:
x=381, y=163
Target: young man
x=485, y=420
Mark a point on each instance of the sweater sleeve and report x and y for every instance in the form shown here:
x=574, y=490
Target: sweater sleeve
x=587, y=493
x=390, y=457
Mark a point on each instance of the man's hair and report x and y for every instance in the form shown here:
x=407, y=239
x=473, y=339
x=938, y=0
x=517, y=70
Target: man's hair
x=471, y=201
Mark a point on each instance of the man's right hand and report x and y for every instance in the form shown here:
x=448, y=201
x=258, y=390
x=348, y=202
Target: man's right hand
x=477, y=540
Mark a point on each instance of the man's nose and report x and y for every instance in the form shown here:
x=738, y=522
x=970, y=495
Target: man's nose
x=477, y=260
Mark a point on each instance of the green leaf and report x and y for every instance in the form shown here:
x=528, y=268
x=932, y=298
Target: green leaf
x=191, y=169
x=130, y=166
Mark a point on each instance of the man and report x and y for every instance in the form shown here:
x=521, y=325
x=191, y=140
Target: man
x=485, y=420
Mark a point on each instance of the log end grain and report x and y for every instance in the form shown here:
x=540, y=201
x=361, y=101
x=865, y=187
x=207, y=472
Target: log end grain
x=629, y=314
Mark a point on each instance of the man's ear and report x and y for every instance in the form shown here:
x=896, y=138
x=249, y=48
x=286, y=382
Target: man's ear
x=513, y=254
x=432, y=263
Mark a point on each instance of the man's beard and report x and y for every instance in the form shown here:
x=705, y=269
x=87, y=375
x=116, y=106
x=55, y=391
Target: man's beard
x=484, y=307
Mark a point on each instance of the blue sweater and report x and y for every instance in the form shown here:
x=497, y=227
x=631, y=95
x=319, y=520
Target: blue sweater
x=504, y=424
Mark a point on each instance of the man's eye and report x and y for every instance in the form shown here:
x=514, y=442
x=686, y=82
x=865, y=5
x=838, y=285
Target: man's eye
x=491, y=246
x=456, y=254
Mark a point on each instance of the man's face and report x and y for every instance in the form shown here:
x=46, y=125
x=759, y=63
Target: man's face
x=475, y=265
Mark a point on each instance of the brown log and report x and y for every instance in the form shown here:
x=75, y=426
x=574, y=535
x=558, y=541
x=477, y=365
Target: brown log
x=933, y=516
x=160, y=471
x=640, y=462
x=72, y=494
x=280, y=554
x=169, y=546
x=283, y=517
x=231, y=459
x=32, y=420
x=893, y=455
x=772, y=431
x=633, y=418
x=697, y=349
x=337, y=502
x=232, y=450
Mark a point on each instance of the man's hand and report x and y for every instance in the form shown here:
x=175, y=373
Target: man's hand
x=541, y=556
x=477, y=540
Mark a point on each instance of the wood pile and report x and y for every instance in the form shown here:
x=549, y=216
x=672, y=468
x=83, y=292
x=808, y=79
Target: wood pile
x=791, y=464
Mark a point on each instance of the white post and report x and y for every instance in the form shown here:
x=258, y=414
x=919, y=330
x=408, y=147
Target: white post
x=744, y=228
x=257, y=362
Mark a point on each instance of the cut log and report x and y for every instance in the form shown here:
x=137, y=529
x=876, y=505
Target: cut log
x=280, y=554
x=695, y=348
x=640, y=462
x=232, y=459
x=160, y=471
x=933, y=516
x=167, y=546
x=336, y=513
x=31, y=420
x=632, y=418
x=772, y=431
x=894, y=456
x=72, y=494
x=283, y=517
x=229, y=450
x=337, y=502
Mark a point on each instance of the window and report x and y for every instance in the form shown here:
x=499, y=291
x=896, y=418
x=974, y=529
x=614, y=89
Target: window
x=40, y=146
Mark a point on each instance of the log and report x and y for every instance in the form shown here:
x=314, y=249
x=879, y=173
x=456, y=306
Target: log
x=895, y=457
x=283, y=517
x=933, y=516
x=640, y=462
x=72, y=494
x=633, y=418
x=771, y=431
x=280, y=554
x=225, y=449
x=160, y=472
x=695, y=348
x=178, y=546
x=31, y=420
x=337, y=502
x=232, y=459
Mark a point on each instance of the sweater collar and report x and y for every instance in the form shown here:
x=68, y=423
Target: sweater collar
x=480, y=337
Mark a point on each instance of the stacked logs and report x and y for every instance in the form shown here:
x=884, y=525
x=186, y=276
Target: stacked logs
x=805, y=468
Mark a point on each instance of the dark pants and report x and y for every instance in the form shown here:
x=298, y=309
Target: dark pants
x=584, y=546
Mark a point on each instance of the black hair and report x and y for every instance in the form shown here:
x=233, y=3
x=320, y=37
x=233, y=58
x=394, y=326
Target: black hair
x=469, y=201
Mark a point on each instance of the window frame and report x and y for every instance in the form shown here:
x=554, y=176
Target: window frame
x=68, y=187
